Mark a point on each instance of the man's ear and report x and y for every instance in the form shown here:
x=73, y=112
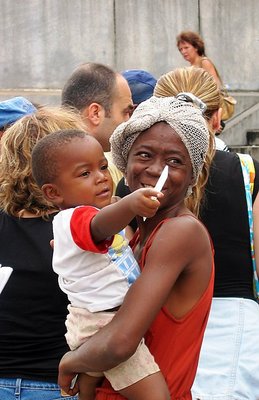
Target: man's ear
x=94, y=113
x=51, y=193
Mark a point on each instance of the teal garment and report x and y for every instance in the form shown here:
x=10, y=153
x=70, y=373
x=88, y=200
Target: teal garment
x=248, y=171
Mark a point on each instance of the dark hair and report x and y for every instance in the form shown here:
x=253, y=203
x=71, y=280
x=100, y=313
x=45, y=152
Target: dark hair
x=194, y=39
x=90, y=83
x=45, y=162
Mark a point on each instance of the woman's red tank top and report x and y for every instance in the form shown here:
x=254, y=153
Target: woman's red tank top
x=175, y=343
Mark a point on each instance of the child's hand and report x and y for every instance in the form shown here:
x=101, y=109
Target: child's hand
x=145, y=202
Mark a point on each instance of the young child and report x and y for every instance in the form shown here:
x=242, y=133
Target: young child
x=91, y=256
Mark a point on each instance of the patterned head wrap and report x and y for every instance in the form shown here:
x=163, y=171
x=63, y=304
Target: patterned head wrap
x=184, y=117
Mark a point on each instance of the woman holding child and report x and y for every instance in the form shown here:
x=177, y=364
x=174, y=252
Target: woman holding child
x=169, y=303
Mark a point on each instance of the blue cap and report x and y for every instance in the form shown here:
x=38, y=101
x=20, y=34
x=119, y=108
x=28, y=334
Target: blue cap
x=141, y=84
x=13, y=109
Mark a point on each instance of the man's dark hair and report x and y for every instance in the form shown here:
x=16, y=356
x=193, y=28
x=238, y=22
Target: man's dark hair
x=90, y=83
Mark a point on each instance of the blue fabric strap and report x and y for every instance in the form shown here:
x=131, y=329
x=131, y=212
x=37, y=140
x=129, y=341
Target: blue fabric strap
x=248, y=171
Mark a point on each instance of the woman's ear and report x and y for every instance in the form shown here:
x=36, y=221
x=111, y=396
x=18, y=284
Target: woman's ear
x=215, y=120
x=51, y=193
x=189, y=189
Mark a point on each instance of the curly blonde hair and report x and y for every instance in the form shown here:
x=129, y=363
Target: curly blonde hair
x=18, y=190
x=200, y=83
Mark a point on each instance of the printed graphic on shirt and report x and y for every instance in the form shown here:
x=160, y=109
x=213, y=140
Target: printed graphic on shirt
x=122, y=255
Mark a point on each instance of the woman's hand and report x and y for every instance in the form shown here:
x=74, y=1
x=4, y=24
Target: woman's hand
x=67, y=378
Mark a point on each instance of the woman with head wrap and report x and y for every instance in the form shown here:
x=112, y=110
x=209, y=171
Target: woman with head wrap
x=229, y=359
x=200, y=83
x=170, y=301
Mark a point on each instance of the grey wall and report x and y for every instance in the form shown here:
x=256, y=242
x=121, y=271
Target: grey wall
x=42, y=41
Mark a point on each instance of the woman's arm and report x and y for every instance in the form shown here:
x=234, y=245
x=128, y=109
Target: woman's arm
x=118, y=340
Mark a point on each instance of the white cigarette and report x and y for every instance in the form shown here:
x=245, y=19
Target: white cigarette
x=160, y=183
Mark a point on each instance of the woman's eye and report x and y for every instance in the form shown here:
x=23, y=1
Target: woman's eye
x=104, y=167
x=143, y=155
x=174, y=161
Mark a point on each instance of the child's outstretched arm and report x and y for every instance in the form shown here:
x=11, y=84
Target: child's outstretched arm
x=115, y=217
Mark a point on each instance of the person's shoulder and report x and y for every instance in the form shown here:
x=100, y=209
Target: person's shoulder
x=230, y=157
x=225, y=164
x=3, y=214
x=179, y=227
x=206, y=61
x=225, y=156
x=226, y=169
x=64, y=214
x=183, y=234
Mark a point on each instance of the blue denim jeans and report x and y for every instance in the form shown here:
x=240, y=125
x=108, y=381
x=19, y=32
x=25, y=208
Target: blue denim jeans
x=24, y=389
x=229, y=359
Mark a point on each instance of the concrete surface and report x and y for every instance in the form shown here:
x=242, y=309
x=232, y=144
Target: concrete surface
x=43, y=41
